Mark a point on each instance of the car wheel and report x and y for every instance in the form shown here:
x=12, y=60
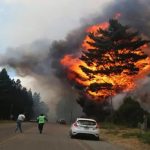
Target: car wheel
x=97, y=138
x=71, y=136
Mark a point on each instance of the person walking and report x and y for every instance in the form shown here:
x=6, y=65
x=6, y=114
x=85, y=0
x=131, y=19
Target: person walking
x=41, y=121
x=20, y=119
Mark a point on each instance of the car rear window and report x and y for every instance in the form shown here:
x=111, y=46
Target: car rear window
x=86, y=122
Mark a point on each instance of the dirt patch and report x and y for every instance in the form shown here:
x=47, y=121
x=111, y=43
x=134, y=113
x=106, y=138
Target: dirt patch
x=116, y=136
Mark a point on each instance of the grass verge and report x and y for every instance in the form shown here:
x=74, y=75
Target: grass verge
x=143, y=136
x=129, y=138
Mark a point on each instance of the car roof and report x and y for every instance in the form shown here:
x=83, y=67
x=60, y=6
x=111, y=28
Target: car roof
x=86, y=119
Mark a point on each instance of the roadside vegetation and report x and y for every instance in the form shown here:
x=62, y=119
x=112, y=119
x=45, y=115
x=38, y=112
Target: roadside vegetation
x=129, y=126
x=125, y=132
x=129, y=138
x=143, y=136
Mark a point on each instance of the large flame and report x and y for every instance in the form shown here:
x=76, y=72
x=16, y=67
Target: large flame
x=122, y=82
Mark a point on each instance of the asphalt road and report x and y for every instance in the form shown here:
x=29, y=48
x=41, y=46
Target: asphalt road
x=54, y=137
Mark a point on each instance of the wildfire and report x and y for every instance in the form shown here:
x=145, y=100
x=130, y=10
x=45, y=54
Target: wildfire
x=120, y=82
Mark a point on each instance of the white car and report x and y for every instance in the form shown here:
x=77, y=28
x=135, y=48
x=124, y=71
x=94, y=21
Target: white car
x=84, y=126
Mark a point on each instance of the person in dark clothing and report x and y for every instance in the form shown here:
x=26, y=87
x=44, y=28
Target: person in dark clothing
x=41, y=121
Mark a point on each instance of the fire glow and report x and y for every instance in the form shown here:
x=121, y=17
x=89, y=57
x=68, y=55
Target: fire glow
x=120, y=82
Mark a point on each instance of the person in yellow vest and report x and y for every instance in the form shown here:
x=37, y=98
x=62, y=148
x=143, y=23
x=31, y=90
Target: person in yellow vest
x=41, y=121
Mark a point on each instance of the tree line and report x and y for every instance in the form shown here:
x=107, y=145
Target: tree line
x=15, y=99
x=130, y=113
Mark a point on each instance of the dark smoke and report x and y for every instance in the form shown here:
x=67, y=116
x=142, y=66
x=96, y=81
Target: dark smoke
x=41, y=59
x=134, y=13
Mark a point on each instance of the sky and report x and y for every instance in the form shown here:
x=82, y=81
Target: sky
x=23, y=21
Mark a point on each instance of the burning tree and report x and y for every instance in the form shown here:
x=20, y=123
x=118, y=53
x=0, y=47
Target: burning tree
x=113, y=51
x=112, y=59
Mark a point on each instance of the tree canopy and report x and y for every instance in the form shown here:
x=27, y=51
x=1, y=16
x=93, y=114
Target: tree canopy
x=129, y=113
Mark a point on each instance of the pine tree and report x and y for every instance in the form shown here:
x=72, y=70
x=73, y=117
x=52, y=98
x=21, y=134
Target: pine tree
x=5, y=90
x=114, y=51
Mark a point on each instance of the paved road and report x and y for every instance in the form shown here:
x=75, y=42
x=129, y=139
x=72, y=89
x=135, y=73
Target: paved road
x=54, y=137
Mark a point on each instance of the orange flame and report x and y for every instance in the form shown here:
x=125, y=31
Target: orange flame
x=122, y=82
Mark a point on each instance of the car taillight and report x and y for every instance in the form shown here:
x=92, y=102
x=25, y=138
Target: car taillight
x=75, y=124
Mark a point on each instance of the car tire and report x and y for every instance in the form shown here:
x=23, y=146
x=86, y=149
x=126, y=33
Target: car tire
x=97, y=138
x=71, y=136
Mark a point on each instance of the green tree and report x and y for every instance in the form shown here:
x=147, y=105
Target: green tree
x=5, y=91
x=99, y=110
x=129, y=113
x=21, y=100
x=38, y=105
x=13, y=97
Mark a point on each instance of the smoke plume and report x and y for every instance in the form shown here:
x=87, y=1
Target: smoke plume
x=41, y=59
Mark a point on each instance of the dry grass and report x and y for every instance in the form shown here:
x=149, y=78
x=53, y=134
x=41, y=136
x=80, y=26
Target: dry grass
x=124, y=137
